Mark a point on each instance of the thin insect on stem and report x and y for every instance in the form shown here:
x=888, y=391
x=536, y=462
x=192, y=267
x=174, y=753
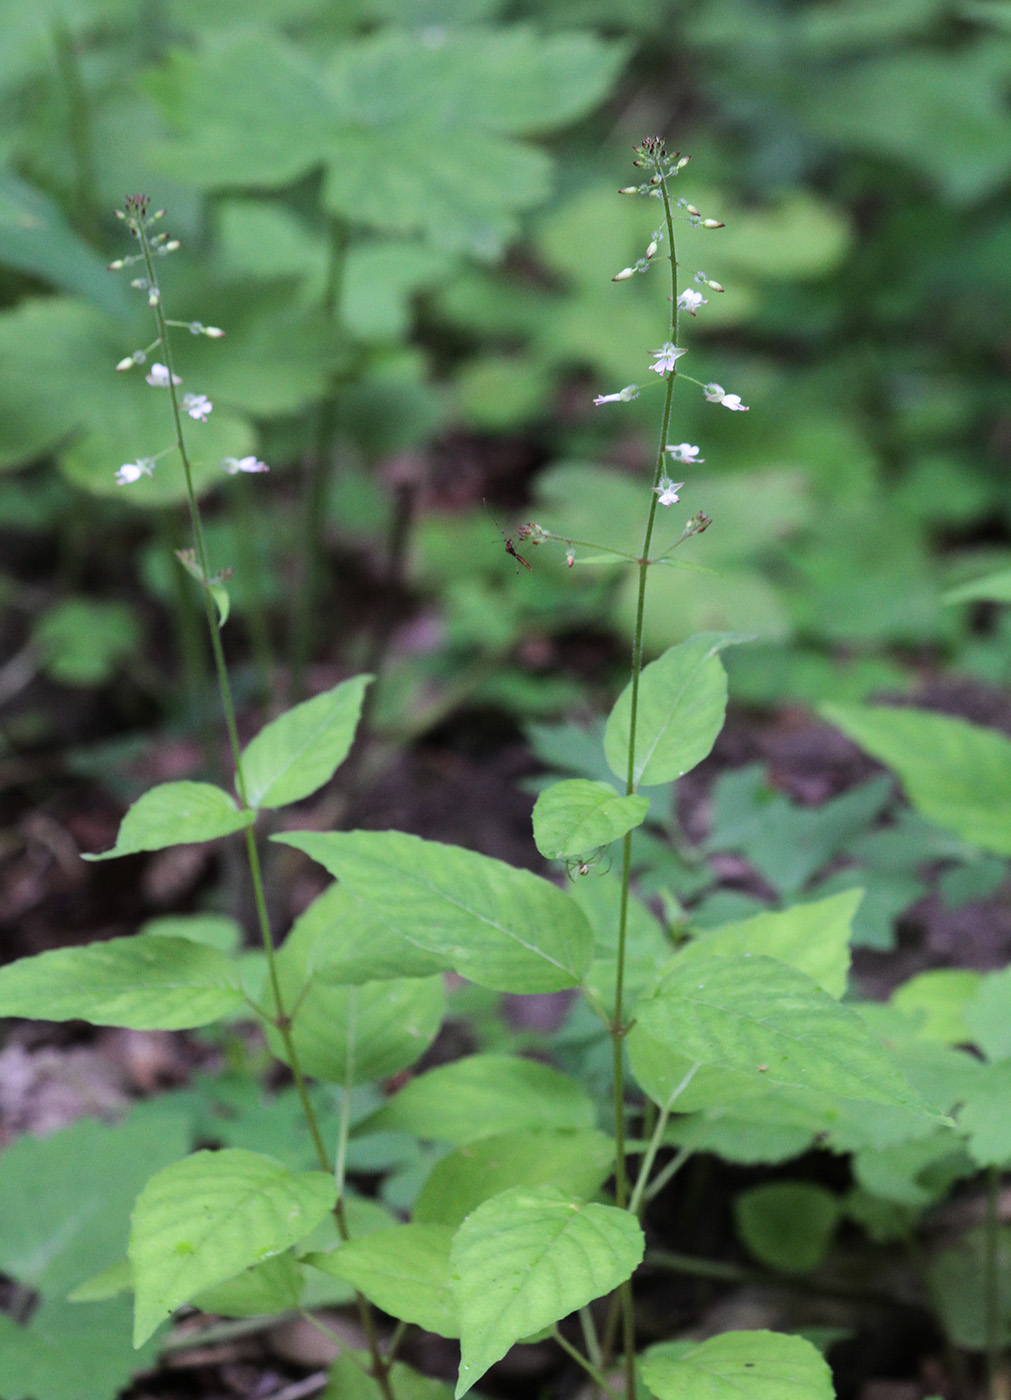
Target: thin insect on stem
x=510, y=548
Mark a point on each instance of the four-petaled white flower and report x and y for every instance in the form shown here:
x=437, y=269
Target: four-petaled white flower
x=668, y=490
x=130, y=472
x=159, y=377
x=232, y=465
x=691, y=301
x=626, y=395
x=685, y=452
x=197, y=406
x=663, y=359
x=716, y=393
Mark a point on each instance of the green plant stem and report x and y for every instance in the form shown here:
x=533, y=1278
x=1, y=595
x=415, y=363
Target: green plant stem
x=619, y=1029
x=281, y=1019
x=246, y=533
x=639, y=1196
x=588, y=1366
x=991, y=1285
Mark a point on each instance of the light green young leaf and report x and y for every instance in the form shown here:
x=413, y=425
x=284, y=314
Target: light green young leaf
x=936, y=1002
x=682, y=701
x=404, y=1271
x=955, y=773
x=985, y=1015
x=738, y=1366
x=480, y=1095
x=144, y=983
x=527, y=1258
x=356, y=1034
x=576, y=816
x=500, y=927
x=175, y=814
x=578, y=1163
x=770, y=1022
x=300, y=750
x=813, y=937
x=205, y=1219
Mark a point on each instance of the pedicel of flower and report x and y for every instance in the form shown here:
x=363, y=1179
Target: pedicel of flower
x=667, y=491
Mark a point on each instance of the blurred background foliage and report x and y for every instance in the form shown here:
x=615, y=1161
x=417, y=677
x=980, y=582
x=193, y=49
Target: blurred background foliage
x=403, y=212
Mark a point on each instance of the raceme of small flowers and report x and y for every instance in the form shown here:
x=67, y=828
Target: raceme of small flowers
x=198, y=406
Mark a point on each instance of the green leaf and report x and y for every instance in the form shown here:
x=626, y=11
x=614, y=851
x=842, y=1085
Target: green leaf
x=959, y=1280
x=82, y=1183
x=36, y=238
x=984, y=1116
x=144, y=983
x=575, y=816
x=274, y=1286
x=936, y=1002
x=500, y=927
x=682, y=701
x=955, y=773
x=175, y=814
x=407, y=163
x=758, y=1017
x=985, y=1015
x=71, y=1351
x=300, y=750
x=350, y=1380
x=355, y=1034
x=527, y=1258
x=992, y=588
x=739, y=1366
x=404, y=1271
x=578, y=1163
x=84, y=641
x=481, y=1095
x=335, y=940
x=811, y=937
x=787, y=1225
x=204, y=1219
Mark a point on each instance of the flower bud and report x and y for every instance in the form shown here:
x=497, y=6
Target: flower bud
x=652, y=248
x=690, y=209
x=629, y=189
x=118, y=265
x=624, y=274
x=128, y=363
x=713, y=286
x=713, y=223
x=216, y=333
x=683, y=162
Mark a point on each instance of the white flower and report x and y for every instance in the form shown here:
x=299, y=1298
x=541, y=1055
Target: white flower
x=664, y=357
x=668, y=490
x=685, y=452
x=130, y=472
x=626, y=395
x=691, y=301
x=197, y=406
x=159, y=377
x=231, y=465
x=716, y=393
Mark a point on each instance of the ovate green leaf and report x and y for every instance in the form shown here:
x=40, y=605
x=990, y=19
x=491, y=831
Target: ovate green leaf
x=208, y=1217
x=682, y=701
x=576, y=816
x=300, y=750
x=175, y=814
x=145, y=983
x=527, y=1258
x=955, y=773
x=480, y=1095
x=765, y=1020
x=404, y=1271
x=501, y=927
x=739, y=1366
